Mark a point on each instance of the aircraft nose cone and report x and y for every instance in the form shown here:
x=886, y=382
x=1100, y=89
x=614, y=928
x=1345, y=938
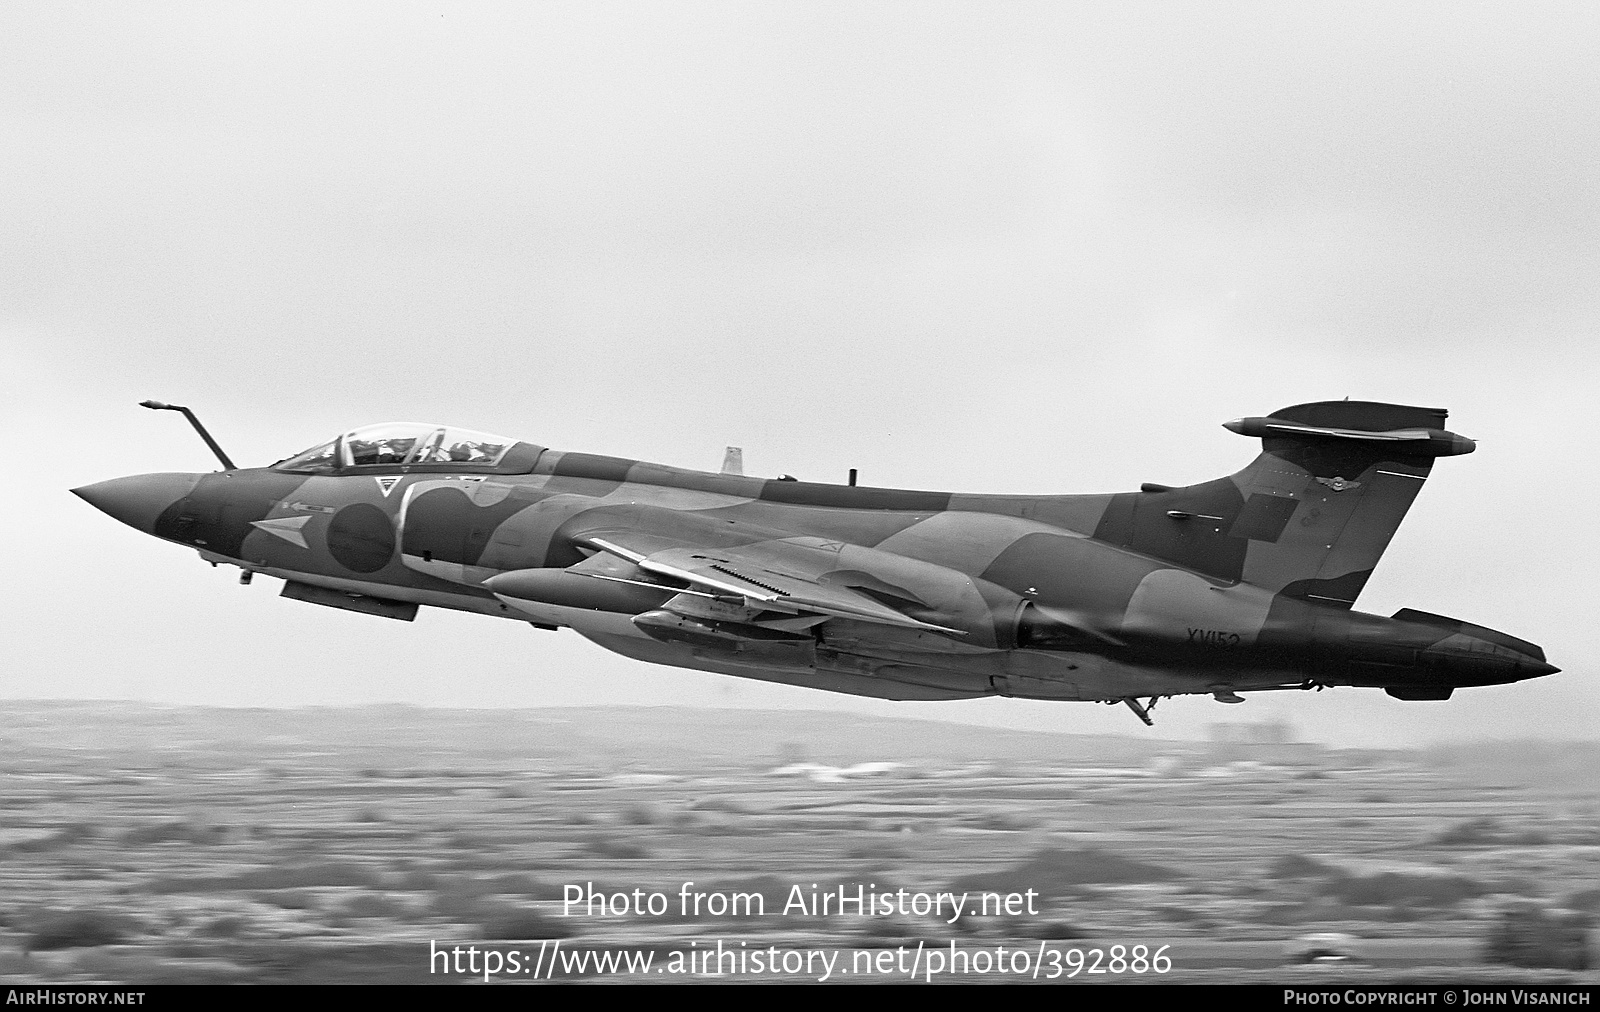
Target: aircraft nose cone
x=138, y=500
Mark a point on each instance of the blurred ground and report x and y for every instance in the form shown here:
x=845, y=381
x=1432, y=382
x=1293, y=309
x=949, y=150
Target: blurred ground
x=145, y=845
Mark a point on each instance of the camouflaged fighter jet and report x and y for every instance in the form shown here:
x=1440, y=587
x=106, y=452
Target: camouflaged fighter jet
x=1234, y=585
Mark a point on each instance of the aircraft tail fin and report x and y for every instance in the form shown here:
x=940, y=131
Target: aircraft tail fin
x=1309, y=517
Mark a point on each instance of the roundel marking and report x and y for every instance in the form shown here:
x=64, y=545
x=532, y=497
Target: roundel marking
x=361, y=538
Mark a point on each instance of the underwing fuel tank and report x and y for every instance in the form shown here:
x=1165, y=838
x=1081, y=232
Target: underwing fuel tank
x=569, y=589
x=670, y=627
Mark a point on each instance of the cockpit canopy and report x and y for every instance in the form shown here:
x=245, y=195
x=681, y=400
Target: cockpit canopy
x=408, y=445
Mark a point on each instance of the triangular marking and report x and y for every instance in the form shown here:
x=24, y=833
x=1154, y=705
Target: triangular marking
x=287, y=528
x=386, y=484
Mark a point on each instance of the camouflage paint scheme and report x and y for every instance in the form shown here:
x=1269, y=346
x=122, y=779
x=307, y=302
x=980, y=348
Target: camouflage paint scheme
x=1242, y=583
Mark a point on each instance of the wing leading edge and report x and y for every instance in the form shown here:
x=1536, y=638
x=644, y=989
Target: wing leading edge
x=788, y=575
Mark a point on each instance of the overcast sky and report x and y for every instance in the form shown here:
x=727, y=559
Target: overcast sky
x=973, y=247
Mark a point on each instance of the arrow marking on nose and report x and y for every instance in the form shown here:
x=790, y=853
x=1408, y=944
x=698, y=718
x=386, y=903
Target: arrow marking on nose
x=287, y=528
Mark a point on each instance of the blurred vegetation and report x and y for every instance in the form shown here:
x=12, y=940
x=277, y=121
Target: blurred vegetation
x=518, y=923
x=620, y=850
x=1527, y=934
x=176, y=831
x=66, y=836
x=66, y=929
x=1585, y=900
x=1049, y=930
x=226, y=926
x=289, y=899
x=1389, y=888
x=376, y=905
x=293, y=876
x=641, y=813
x=1054, y=872
x=1487, y=832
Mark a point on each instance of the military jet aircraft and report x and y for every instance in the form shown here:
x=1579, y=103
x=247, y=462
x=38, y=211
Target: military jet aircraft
x=1240, y=584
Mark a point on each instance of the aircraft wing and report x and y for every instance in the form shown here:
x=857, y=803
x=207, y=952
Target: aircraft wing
x=798, y=575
